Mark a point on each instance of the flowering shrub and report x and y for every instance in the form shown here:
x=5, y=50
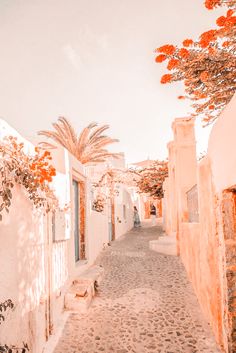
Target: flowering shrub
x=152, y=178
x=34, y=173
x=210, y=4
x=99, y=203
x=206, y=66
x=147, y=180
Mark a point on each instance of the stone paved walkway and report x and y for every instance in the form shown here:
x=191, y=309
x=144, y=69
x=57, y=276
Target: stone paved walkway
x=145, y=304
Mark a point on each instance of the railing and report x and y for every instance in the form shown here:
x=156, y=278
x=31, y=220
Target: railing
x=192, y=203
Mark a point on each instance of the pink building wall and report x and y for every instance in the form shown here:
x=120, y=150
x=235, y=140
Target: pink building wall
x=207, y=247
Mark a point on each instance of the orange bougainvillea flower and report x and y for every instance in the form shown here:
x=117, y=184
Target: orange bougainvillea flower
x=207, y=37
x=226, y=44
x=32, y=167
x=204, y=76
x=181, y=97
x=221, y=21
x=211, y=107
x=187, y=42
x=231, y=21
x=230, y=13
x=210, y=4
x=183, y=53
x=203, y=43
x=168, y=49
x=173, y=63
x=166, y=78
x=199, y=94
x=160, y=58
x=212, y=51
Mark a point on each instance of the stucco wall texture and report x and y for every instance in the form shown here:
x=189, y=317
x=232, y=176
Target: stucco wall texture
x=207, y=247
x=36, y=269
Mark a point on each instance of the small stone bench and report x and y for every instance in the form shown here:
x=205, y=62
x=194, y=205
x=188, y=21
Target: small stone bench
x=82, y=291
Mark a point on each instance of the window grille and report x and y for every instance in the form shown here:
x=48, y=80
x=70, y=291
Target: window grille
x=192, y=203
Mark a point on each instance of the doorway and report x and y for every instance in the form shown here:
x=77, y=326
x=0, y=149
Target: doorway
x=111, y=219
x=76, y=212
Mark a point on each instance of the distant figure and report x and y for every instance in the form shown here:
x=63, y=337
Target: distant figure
x=153, y=214
x=137, y=222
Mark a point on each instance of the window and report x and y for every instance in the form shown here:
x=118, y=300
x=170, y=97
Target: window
x=60, y=225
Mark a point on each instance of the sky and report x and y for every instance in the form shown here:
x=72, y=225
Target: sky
x=93, y=60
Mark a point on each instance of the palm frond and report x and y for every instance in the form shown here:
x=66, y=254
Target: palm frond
x=89, y=146
x=103, y=143
x=102, y=157
x=98, y=132
x=47, y=145
x=82, y=141
x=56, y=137
x=69, y=129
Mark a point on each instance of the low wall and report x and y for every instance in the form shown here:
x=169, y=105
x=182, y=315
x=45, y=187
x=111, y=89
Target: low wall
x=189, y=250
x=201, y=254
x=124, y=213
x=199, y=258
x=98, y=233
x=207, y=248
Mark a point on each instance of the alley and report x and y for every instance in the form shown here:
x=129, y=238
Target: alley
x=145, y=304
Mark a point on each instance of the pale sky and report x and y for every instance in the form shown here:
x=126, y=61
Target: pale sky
x=93, y=60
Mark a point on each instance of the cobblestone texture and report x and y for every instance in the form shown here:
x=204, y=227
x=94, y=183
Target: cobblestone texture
x=145, y=304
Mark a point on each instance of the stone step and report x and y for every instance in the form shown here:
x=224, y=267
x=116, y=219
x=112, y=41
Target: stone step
x=91, y=275
x=82, y=290
x=165, y=245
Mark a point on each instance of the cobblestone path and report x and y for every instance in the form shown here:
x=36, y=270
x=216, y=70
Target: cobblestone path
x=145, y=304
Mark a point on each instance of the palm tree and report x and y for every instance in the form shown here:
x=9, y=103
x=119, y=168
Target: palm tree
x=87, y=147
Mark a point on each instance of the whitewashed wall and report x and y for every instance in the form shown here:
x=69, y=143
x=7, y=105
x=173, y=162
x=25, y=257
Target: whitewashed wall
x=98, y=233
x=35, y=269
x=124, y=213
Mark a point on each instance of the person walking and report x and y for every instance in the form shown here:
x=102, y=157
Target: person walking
x=137, y=222
x=153, y=214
